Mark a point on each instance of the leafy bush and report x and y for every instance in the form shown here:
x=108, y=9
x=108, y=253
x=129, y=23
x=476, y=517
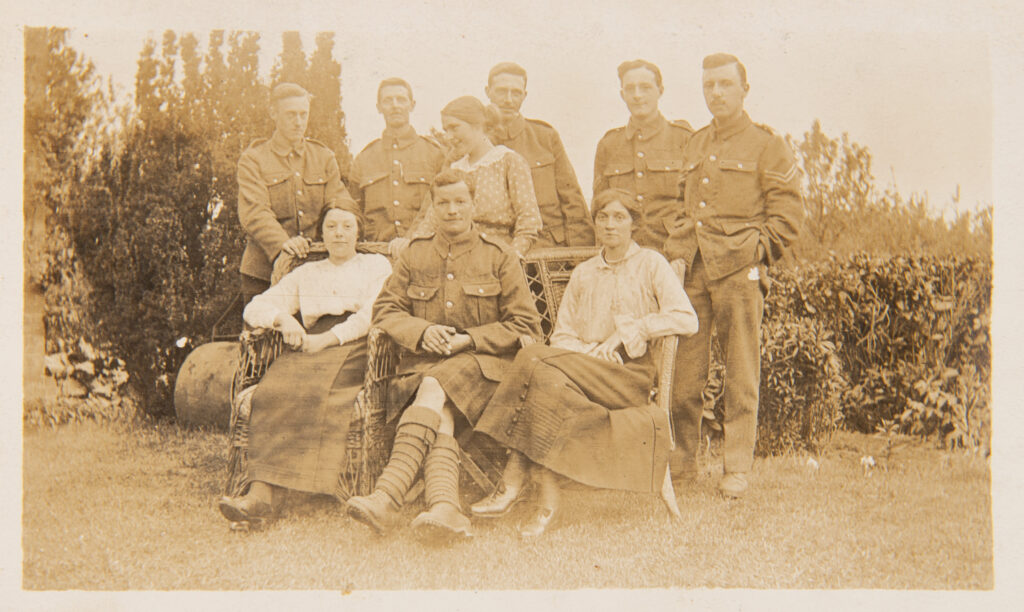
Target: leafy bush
x=912, y=335
x=148, y=241
x=801, y=385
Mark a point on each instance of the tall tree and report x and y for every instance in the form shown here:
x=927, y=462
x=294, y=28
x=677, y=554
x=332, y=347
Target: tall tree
x=326, y=119
x=291, y=65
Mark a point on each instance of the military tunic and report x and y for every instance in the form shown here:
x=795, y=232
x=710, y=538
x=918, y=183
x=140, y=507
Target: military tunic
x=390, y=178
x=563, y=210
x=742, y=190
x=471, y=283
x=647, y=160
x=281, y=192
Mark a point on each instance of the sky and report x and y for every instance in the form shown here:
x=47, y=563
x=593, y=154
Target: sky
x=914, y=85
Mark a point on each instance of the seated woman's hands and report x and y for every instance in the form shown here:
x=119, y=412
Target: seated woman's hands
x=444, y=340
x=292, y=330
x=609, y=349
x=318, y=342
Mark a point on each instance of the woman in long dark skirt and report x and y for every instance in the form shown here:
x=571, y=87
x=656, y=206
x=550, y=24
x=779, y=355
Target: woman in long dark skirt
x=302, y=407
x=579, y=408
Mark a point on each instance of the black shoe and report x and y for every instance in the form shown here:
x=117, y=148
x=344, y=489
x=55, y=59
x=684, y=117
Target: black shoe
x=500, y=501
x=245, y=509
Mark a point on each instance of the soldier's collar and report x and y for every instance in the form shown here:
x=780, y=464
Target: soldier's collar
x=462, y=243
x=403, y=136
x=512, y=129
x=648, y=129
x=282, y=147
x=633, y=249
x=732, y=128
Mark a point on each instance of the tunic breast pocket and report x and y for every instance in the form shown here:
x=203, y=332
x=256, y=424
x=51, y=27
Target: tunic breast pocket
x=281, y=201
x=315, y=189
x=740, y=189
x=620, y=175
x=482, y=300
x=424, y=305
x=542, y=171
x=665, y=175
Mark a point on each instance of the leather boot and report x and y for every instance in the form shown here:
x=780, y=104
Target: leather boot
x=415, y=434
x=510, y=490
x=444, y=520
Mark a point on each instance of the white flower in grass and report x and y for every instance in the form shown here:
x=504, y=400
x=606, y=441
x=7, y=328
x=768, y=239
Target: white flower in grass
x=813, y=463
x=182, y=341
x=867, y=462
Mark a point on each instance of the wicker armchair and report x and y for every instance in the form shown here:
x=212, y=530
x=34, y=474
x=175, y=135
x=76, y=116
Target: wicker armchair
x=257, y=350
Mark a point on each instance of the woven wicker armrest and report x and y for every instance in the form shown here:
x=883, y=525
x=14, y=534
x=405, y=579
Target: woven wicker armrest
x=369, y=438
x=666, y=347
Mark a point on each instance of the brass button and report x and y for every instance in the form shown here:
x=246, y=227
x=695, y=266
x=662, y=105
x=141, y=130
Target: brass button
x=451, y=276
x=301, y=213
x=700, y=224
x=394, y=182
x=395, y=162
x=702, y=204
x=705, y=180
x=449, y=304
x=639, y=153
x=712, y=158
x=640, y=175
x=395, y=202
x=481, y=289
x=639, y=198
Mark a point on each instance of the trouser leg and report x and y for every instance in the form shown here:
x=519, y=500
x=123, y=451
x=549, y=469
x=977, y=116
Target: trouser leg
x=691, y=374
x=250, y=287
x=738, y=309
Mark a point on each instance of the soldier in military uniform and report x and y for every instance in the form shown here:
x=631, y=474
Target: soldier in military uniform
x=391, y=176
x=457, y=302
x=559, y=197
x=742, y=208
x=283, y=184
x=645, y=155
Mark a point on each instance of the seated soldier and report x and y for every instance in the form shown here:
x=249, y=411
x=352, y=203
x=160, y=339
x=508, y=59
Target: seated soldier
x=458, y=303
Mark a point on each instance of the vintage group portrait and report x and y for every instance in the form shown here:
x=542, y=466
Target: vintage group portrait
x=451, y=298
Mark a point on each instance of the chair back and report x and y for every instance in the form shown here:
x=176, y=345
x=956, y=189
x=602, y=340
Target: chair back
x=547, y=274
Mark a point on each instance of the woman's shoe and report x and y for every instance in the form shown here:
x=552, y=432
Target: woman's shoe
x=245, y=509
x=536, y=526
x=500, y=501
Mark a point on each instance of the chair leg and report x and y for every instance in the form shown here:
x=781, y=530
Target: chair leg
x=668, y=495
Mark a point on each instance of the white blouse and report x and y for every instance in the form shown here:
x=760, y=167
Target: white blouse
x=639, y=296
x=321, y=288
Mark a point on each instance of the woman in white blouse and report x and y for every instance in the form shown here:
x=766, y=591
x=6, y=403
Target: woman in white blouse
x=302, y=407
x=563, y=408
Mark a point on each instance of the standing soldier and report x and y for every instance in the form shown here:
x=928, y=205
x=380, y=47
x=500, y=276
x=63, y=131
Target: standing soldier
x=391, y=176
x=646, y=155
x=283, y=184
x=742, y=208
x=559, y=197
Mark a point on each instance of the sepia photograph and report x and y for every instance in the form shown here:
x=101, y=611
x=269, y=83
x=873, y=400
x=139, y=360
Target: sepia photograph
x=686, y=304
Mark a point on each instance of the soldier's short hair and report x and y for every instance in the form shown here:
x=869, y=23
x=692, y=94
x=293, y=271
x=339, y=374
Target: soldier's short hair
x=450, y=176
x=625, y=67
x=392, y=82
x=717, y=60
x=616, y=194
x=506, y=68
x=288, y=90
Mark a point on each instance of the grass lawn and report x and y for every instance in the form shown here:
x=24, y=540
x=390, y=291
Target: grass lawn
x=134, y=508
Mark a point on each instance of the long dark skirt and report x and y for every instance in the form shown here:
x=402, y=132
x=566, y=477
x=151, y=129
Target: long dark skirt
x=461, y=378
x=300, y=417
x=582, y=417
